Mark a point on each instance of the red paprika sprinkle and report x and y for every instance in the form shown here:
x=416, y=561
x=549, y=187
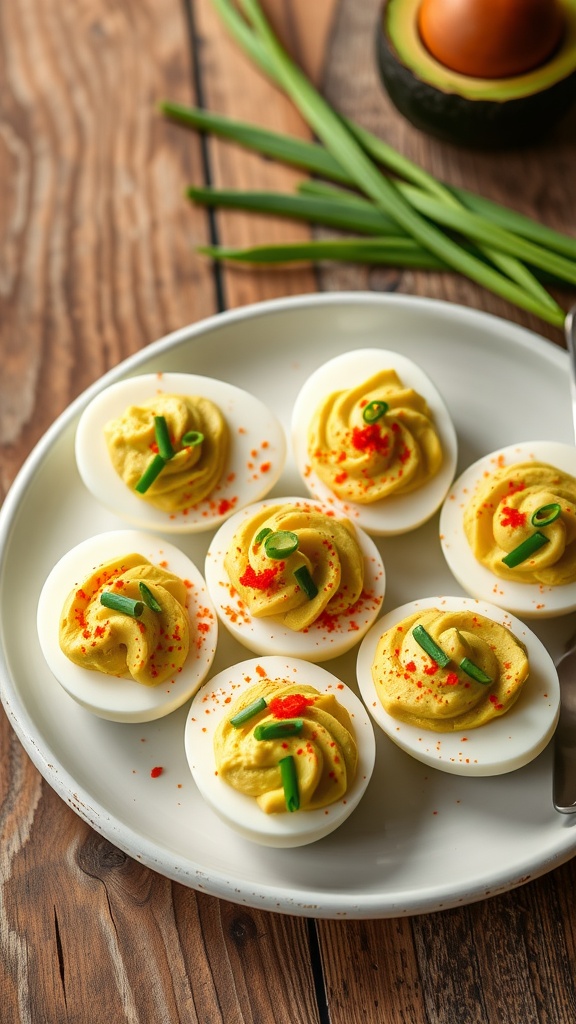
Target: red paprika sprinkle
x=369, y=439
x=291, y=706
x=225, y=505
x=259, y=580
x=513, y=517
x=155, y=772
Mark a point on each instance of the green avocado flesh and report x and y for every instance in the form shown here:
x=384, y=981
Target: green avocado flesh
x=466, y=110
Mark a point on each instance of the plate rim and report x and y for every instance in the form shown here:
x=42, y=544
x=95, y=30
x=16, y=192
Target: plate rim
x=326, y=904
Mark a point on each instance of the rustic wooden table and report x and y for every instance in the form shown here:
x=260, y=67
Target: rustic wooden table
x=96, y=261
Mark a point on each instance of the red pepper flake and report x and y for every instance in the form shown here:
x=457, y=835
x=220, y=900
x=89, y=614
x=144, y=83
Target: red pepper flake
x=156, y=772
x=370, y=439
x=291, y=706
x=411, y=666
x=226, y=505
x=513, y=517
x=452, y=679
x=265, y=467
x=259, y=580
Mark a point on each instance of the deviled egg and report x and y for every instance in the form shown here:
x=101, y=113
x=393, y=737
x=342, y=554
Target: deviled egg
x=126, y=626
x=289, y=576
x=373, y=438
x=178, y=452
x=508, y=529
x=282, y=750
x=460, y=685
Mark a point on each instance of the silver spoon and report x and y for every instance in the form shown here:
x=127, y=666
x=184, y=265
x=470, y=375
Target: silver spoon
x=564, y=774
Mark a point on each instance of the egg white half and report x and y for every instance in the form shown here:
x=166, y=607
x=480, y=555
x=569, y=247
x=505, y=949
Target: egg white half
x=269, y=635
x=399, y=513
x=504, y=744
x=242, y=812
x=255, y=462
x=124, y=699
x=530, y=600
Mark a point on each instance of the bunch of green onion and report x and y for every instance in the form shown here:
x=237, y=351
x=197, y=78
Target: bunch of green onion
x=406, y=218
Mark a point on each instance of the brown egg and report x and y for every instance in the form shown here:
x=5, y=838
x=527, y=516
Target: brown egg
x=491, y=38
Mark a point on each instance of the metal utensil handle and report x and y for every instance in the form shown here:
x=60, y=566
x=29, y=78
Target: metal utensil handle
x=570, y=334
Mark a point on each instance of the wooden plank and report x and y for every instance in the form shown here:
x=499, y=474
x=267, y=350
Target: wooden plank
x=372, y=972
x=305, y=28
x=96, y=260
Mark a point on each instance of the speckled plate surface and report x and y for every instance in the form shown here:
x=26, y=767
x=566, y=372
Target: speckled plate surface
x=421, y=839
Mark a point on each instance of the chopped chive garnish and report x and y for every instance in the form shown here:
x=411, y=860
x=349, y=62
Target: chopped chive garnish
x=148, y=597
x=289, y=782
x=305, y=581
x=276, y=730
x=280, y=544
x=248, y=712
x=153, y=469
x=163, y=441
x=192, y=438
x=375, y=411
x=264, y=532
x=474, y=671
x=546, y=514
x=120, y=603
x=528, y=547
x=423, y=638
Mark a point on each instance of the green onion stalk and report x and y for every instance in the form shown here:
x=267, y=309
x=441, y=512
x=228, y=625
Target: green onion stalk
x=411, y=219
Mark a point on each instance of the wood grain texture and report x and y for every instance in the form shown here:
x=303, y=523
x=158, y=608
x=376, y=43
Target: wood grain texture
x=223, y=66
x=96, y=247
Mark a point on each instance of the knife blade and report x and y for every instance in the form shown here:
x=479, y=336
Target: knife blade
x=570, y=335
x=564, y=770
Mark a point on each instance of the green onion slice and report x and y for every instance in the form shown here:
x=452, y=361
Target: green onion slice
x=528, y=547
x=148, y=597
x=375, y=411
x=153, y=469
x=289, y=782
x=192, y=438
x=423, y=638
x=120, y=603
x=163, y=441
x=276, y=730
x=305, y=581
x=546, y=514
x=248, y=712
x=280, y=544
x=474, y=671
x=261, y=534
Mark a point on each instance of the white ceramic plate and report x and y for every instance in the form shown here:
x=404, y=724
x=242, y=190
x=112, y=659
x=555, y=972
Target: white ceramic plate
x=421, y=839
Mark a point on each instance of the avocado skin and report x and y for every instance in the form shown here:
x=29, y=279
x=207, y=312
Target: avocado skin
x=480, y=124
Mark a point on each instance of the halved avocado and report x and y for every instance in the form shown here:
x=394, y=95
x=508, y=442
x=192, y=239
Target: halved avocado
x=468, y=111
